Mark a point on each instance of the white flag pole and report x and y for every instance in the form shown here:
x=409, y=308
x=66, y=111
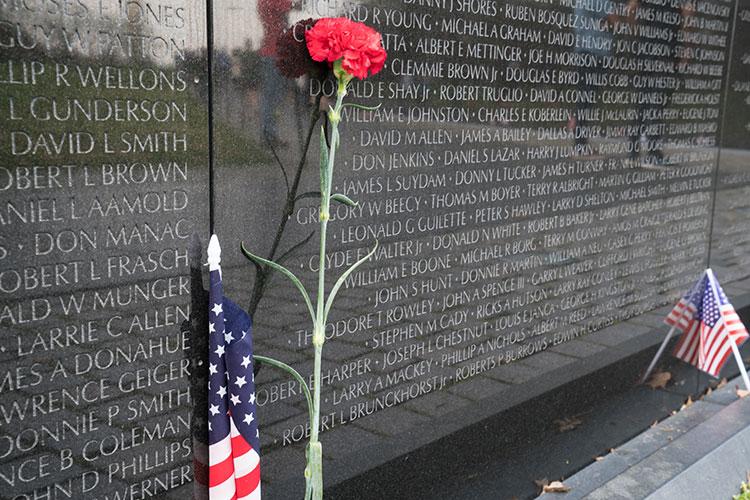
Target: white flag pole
x=658, y=354
x=735, y=350
x=214, y=254
x=741, y=364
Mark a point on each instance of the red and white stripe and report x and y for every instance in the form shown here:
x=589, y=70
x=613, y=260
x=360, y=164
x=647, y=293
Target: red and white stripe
x=234, y=473
x=681, y=314
x=708, y=348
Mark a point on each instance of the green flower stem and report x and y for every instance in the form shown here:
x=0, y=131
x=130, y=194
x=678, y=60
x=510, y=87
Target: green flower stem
x=295, y=375
x=316, y=448
x=306, y=390
x=319, y=316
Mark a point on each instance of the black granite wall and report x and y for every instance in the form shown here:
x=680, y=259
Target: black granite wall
x=540, y=175
x=104, y=171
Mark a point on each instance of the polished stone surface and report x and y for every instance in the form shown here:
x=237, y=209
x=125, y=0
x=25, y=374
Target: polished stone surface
x=104, y=173
x=541, y=178
x=538, y=174
x=729, y=243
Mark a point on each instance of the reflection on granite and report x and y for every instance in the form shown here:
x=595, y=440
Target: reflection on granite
x=104, y=185
x=539, y=177
x=536, y=175
x=730, y=242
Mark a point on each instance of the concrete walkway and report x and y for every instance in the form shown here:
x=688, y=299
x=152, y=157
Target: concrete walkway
x=703, y=451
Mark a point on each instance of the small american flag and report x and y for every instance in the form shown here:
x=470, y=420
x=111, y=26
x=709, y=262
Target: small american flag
x=709, y=326
x=234, y=445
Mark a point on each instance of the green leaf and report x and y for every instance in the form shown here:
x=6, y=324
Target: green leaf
x=342, y=198
x=366, y=108
x=342, y=278
x=323, y=161
x=295, y=374
x=286, y=272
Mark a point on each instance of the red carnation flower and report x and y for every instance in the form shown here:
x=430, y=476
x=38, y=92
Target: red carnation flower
x=358, y=46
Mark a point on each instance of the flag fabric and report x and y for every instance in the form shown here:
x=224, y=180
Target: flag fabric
x=234, y=444
x=709, y=324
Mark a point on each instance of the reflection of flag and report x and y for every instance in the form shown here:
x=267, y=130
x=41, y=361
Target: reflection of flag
x=200, y=470
x=234, y=445
x=197, y=326
x=709, y=324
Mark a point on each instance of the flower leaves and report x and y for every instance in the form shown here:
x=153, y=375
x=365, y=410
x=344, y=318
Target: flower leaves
x=360, y=106
x=343, y=277
x=283, y=270
x=338, y=197
x=295, y=375
x=342, y=198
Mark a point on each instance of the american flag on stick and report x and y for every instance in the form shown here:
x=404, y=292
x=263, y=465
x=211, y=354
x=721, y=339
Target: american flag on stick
x=234, y=445
x=711, y=329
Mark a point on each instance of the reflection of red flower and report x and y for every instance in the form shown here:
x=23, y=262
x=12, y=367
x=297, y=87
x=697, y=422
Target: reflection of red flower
x=293, y=59
x=358, y=46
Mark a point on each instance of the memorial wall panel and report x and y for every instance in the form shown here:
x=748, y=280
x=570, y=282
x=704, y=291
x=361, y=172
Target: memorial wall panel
x=537, y=171
x=103, y=186
x=730, y=243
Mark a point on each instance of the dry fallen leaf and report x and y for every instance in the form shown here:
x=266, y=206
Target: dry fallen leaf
x=598, y=459
x=541, y=482
x=722, y=383
x=741, y=393
x=656, y=422
x=687, y=404
x=659, y=380
x=555, y=487
x=567, y=424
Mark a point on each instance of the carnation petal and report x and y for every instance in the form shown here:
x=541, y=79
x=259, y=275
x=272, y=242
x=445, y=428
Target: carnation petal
x=359, y=46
